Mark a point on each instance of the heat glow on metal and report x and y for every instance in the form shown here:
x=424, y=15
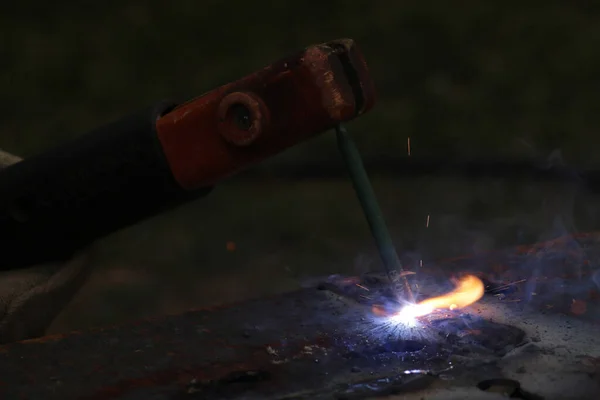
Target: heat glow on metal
x=468, y=290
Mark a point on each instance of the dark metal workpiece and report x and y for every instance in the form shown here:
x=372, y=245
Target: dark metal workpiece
x=305, y=344
x=317, y=344
x=370, y=206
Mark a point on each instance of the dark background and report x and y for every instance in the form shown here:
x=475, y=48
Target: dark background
x=463, y=79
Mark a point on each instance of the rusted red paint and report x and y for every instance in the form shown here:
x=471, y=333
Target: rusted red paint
x=295, y=99
x=166, y=353
x=258, y=360
x=164, y=377
x=578, y=307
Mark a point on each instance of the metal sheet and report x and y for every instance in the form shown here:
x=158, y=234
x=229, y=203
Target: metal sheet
x=314, y=343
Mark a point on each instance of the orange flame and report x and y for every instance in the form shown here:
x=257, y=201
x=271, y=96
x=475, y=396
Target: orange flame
x=468, y=290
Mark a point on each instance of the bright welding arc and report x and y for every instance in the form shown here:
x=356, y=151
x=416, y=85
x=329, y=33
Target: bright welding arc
x=469, y=289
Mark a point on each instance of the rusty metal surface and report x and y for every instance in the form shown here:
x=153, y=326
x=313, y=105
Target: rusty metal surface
x=558, y=276
x=300, y=343
x=321, y=342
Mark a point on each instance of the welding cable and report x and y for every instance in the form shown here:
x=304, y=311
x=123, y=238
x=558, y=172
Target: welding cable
x=59, y=201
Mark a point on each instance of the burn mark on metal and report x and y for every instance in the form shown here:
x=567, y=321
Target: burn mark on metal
x=309, y=343
x=508, y=388
x=468, y=334
x=367, y=388
x=230, y=386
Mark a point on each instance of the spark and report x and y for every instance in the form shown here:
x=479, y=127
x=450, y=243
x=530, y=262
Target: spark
x=408, y=145
x=362, y=287
x=406, y=273
x=502, y=287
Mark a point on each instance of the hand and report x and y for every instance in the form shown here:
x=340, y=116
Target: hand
x=31, y=298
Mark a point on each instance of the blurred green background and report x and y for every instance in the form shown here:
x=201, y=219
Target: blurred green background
x=462, y=79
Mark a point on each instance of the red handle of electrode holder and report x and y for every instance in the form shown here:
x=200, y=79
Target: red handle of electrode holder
x=247, y=121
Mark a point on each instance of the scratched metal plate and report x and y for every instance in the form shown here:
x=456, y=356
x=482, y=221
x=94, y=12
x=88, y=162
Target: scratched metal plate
x=314, y=343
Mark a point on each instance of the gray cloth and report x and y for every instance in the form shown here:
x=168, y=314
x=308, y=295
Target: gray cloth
x=31, y=298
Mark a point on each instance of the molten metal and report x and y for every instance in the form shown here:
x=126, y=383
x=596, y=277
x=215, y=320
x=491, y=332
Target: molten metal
x=468, y=290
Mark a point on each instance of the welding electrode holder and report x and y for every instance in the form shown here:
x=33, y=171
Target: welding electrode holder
x=56, y=203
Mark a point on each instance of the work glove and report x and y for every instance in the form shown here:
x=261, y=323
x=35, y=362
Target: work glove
x=31, y=298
